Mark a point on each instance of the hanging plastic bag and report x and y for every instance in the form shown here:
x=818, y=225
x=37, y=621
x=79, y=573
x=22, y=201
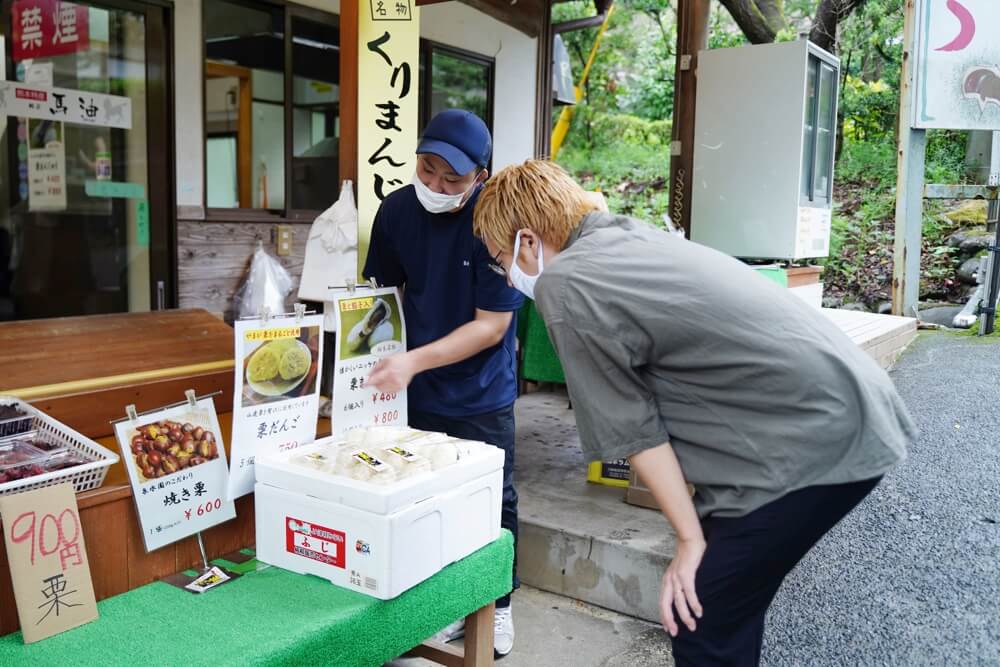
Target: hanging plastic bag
x=267, y=284
x=332, y=248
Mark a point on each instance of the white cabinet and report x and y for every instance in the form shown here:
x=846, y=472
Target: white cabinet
x=765, y=134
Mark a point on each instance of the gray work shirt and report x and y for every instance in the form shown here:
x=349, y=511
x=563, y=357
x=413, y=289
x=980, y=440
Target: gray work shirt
x=758, y=393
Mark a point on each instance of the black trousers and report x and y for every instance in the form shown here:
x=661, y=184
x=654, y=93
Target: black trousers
x=495, y=428
x=744, y=564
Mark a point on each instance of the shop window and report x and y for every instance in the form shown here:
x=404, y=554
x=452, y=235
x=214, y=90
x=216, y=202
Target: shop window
x=271, y=106
x=458, y=80
x=85, y=206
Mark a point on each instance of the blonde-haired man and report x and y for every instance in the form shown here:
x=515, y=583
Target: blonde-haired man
x=699, y=370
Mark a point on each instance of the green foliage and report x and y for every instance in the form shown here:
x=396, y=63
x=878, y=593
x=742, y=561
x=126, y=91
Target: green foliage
x=868, y=109
x=621, y=132
x=592, y=129
x=460, y=84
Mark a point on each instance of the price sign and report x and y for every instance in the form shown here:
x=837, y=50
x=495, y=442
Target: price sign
x=177, y=465
x=370, y=326
x=48, y=561
x=276, y=396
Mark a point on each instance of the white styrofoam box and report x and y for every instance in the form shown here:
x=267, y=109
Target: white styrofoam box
x=276, y=470
x=811, y=294
x=381, y=555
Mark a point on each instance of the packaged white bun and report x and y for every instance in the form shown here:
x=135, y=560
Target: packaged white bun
x=406, y=463
x=383, y=436
x=440, y=453
x=320, y=461
x=362, y=465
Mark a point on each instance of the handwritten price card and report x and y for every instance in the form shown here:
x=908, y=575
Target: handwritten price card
x=48, y=561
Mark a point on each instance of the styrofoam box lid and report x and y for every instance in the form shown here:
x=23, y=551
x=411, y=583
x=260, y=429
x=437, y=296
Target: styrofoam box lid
x=276, y=470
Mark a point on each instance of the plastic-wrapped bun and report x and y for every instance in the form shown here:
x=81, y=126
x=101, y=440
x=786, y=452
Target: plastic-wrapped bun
x=319, y=461
x=440, y=454
x=363, y=466
x=406, y=463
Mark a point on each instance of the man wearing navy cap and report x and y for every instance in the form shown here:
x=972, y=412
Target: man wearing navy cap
x=460, y=369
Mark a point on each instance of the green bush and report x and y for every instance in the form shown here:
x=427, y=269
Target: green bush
x=591, y=129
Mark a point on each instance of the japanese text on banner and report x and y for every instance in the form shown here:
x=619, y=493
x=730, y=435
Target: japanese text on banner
x=388, y=63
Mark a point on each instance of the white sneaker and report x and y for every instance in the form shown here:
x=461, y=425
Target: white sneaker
x=503, y=631
x=451, y=632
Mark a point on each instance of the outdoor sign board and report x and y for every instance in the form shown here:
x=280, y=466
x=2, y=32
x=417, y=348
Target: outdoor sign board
x=957, y=66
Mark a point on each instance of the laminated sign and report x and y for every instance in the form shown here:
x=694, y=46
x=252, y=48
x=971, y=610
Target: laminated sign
x=48, y=561
x=370, y=326
x=957, y=65
x=276, y=393
x=176, y=463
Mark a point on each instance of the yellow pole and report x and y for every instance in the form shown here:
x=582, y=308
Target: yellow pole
x=561, y=129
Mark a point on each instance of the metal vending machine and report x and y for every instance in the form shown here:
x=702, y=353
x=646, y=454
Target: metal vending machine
x=765, y=135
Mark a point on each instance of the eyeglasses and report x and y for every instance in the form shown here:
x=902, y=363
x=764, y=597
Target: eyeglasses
x=495, y=265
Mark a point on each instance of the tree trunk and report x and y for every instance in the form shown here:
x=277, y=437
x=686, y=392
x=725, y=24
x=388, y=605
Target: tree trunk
x=760, y=20
x=828, y=15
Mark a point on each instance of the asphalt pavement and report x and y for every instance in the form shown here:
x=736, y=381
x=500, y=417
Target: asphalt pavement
x=912, y=576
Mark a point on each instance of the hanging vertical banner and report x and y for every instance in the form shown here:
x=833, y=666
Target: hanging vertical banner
x=388, y=64
x=176, y=463
x=370, y=326
x=957, y=65
x=48, y=28
x=46, y=166
x=276, y=393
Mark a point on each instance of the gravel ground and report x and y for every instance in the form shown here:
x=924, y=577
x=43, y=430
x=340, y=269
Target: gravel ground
x=912, y=576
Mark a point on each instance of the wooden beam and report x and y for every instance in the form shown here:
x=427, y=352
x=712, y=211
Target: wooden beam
x=911, y=151
x=525, y=15
x=543, y=89
x=349, y=91
x=479, y=637
x=692, y=36
x=578, y=24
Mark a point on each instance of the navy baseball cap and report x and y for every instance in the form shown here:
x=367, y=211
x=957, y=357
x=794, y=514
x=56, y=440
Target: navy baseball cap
x=460, y=138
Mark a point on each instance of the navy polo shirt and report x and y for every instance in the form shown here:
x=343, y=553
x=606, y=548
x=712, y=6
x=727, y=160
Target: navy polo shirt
x=443, y=267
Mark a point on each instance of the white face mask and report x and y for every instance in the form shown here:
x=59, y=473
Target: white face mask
x=521, y=281
x=436, y=202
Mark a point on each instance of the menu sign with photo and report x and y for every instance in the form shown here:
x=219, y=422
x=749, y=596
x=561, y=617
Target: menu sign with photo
x=276, y=392
x=370, y=326
x=48, y=561
x=176, y=463
x=46, y=166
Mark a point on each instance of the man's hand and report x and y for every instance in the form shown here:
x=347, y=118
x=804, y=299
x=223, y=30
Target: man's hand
x=392, y=374
x=677, y=589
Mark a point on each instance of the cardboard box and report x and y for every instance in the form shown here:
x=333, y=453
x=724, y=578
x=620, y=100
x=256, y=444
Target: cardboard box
x=637, y=493
x=377, y=540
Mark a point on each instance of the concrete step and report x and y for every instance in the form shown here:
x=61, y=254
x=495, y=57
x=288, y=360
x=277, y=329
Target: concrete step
x=575, y=538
